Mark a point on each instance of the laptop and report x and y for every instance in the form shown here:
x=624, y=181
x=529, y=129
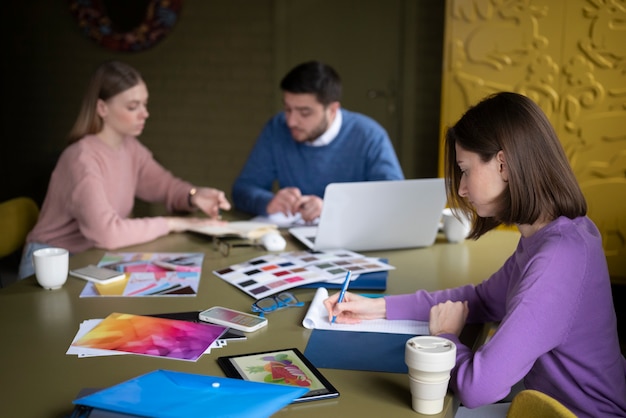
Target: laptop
x=377, y=215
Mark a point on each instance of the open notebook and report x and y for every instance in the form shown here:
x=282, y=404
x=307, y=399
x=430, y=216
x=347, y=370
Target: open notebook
x=377, y=215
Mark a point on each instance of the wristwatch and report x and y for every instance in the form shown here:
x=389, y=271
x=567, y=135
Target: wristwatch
x=191, y=194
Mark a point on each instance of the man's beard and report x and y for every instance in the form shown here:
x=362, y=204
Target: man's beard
x=318, y=130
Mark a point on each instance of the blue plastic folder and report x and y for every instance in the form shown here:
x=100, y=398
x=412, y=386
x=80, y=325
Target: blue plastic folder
x=170, y=394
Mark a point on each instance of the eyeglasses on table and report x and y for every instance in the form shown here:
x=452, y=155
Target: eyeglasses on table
x=225, y=244
x=275, y=303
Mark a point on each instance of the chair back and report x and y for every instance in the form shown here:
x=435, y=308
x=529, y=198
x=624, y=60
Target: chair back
x=532, y=403
x=17, y=217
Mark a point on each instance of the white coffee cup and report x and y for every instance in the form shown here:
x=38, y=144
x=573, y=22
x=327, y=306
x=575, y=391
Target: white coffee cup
x=51, y=267
x=429, y=360
x=455, y=228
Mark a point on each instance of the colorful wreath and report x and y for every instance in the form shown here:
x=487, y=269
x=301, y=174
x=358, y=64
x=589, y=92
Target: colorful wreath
x=94, y=22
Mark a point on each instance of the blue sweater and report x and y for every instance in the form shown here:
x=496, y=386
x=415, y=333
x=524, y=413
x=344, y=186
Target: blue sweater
x=361, y=151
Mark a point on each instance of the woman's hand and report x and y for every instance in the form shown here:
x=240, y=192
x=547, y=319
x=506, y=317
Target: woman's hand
x=210, y=201
x=448, y=318
x=179, y=224
x=355, y=308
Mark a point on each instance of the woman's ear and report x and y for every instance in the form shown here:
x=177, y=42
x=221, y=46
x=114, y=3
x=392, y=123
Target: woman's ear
x=504, y=171
x=101, y=108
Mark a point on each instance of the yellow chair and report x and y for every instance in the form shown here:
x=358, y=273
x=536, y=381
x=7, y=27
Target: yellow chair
x=535, y=404
x=17, y=218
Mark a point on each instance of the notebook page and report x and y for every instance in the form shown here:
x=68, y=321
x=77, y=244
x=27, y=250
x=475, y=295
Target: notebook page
x=317, y=318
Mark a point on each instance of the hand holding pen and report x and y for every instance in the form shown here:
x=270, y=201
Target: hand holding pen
x=342, y=294
x=351, y=308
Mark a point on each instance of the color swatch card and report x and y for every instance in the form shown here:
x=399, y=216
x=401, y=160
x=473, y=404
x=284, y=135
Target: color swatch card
x=150, y=336
x=273, y=273
x=150, y=274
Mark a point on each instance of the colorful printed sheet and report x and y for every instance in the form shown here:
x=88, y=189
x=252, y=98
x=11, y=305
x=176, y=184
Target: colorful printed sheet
x=150, y=274
x=150, y=336
x=273, y=273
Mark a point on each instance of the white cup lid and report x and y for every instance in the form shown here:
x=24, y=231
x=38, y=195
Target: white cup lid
x=430, y=353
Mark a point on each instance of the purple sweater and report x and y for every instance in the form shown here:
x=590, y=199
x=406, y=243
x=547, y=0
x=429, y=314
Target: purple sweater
x=558, y=330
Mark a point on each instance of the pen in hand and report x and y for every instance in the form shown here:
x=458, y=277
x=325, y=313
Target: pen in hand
x=342, y=294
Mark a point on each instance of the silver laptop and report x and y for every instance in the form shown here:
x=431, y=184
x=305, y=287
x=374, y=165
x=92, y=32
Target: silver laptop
x=377, y=215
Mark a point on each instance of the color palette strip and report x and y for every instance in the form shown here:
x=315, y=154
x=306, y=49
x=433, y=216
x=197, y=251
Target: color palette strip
x=264, y=276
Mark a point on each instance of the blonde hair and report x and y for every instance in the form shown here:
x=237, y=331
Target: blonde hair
x=109, y=79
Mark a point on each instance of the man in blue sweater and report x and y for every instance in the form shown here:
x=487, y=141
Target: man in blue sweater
x=312, y=143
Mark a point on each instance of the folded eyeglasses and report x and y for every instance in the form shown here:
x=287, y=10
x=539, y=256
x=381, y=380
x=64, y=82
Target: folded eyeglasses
x=225, y=244
x=275, y=303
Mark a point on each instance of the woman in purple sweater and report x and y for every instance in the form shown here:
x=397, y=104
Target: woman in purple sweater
x=93, y=187
x=504, y=165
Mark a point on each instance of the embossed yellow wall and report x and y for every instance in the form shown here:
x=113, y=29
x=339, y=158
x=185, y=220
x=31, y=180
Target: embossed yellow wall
x=570, y=58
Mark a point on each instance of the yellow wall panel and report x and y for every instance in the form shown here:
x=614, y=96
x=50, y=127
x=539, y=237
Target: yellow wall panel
x=570, y=58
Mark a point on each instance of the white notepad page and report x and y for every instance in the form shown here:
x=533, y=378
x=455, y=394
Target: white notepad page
x=317, y=317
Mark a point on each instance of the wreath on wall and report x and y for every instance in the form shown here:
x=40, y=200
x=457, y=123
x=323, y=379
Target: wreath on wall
x=108, y=22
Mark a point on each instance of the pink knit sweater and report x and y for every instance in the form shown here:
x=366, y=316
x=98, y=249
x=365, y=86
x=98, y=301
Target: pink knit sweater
x=91, y=195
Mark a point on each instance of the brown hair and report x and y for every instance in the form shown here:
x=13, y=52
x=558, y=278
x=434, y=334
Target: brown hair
x=109, y=79
x=541, y=183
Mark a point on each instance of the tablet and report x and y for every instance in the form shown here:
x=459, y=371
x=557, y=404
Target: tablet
x=286, y=367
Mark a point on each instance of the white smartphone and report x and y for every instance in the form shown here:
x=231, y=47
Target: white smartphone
x=233, y=319
x=97, y=274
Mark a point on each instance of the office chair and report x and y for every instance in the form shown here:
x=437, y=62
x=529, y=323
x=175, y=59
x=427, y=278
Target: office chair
x=532, y=403
x=17, y=218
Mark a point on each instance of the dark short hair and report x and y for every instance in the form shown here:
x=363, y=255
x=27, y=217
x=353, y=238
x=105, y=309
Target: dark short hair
x=314, y=77
x=541, y=183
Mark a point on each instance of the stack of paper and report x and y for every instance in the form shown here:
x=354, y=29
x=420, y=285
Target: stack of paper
x=145, y=335
x=150, y=274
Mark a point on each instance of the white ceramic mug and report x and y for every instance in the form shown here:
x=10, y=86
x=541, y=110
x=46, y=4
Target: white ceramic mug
x=429, y=360
x=51, y=267
x=455, y=229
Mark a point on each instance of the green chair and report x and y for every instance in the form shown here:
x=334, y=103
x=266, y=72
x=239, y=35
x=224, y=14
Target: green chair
x=532, y=403
x=17, y=218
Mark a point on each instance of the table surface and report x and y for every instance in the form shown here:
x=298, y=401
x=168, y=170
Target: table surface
x=39, y=380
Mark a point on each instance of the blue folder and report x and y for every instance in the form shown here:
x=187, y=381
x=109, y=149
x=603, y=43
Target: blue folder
x=169, y=394
x=355, y=350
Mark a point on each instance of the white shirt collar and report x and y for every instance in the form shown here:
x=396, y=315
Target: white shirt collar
x=330, y=134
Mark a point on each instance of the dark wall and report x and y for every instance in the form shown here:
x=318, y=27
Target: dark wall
x=211, y=84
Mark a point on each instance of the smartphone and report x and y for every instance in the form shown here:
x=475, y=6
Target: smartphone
x=234, y=319
x=97, y=274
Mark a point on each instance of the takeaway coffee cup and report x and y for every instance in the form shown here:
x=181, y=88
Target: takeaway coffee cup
x=455, y=229
x=51, y=267
x=429, y=360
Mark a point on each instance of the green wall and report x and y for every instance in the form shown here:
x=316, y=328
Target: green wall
x=212, y=86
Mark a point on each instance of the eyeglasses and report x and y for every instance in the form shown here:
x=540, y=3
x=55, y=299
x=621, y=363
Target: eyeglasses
x=275, y=303
x=225, y=244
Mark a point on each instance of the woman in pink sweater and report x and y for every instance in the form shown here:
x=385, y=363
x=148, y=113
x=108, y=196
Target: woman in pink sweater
x=98, y=176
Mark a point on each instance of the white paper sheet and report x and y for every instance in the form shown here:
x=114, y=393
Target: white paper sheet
x=317, y=317
x=284, y=221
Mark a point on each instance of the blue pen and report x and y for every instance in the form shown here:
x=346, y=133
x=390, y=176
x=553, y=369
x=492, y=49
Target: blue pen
x=343, y=292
